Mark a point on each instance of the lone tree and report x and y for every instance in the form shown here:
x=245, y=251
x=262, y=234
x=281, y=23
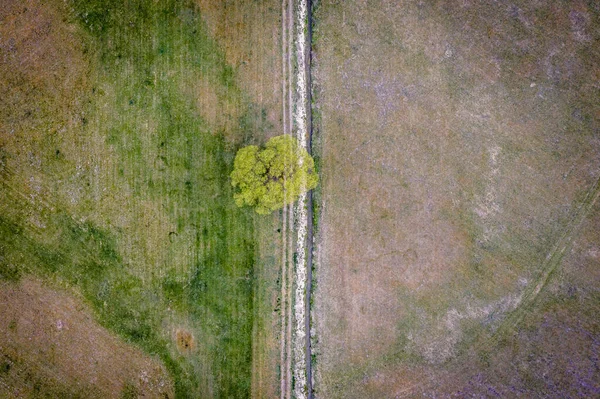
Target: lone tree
x=269, y=178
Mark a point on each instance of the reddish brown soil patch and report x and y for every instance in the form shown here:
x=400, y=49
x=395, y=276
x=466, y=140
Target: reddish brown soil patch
x=185, y=341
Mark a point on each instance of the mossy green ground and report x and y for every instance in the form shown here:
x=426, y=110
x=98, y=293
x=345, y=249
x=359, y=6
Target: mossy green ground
x=123, y=193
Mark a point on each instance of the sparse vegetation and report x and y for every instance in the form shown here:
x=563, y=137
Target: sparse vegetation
x=476, y=129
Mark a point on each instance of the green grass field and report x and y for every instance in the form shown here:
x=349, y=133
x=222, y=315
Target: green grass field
x=115, y=184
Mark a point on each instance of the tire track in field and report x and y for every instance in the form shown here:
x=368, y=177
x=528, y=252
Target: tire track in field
x=287, y=216
x=550, y=264
x=555, y=256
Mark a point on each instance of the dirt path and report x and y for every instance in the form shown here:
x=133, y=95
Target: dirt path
x=287, y=232
x=297, y=229
x=301, y=334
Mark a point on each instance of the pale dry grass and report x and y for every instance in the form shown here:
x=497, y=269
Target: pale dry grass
x=250, y=35
x=217, y=108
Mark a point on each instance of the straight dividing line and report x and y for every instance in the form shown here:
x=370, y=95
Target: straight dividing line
x=289, y=78
x=255, y=378
x=301, y=335
x=290, y=43
x=310, y=231
x=283, y=370
x=290, y=269
x=282, y=304
x=309, y=263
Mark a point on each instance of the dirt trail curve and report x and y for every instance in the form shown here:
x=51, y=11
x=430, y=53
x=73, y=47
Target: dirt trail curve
x=551, y=263
x=297, y=232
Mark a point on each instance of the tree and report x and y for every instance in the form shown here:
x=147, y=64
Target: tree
x=269, y=178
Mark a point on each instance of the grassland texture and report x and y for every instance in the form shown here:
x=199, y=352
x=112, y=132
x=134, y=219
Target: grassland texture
x=458, y=249
x=119, y=123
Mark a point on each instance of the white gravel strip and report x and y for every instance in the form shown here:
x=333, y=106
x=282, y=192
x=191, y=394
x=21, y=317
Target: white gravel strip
x=300, y=211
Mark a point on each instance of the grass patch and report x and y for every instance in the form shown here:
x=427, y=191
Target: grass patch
x=134, y=206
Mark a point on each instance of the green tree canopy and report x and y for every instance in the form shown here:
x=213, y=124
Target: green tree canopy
x=271, y=177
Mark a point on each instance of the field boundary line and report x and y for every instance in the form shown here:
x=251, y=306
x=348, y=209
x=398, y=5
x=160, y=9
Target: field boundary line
x=283, y=294
x=287, y=231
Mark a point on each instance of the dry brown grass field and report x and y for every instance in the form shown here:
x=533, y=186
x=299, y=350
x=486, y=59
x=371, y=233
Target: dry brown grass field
x=458, y=235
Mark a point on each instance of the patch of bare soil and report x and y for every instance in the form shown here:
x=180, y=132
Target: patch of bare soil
x=42, y=69
x=185, y=341
x=51, y=345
